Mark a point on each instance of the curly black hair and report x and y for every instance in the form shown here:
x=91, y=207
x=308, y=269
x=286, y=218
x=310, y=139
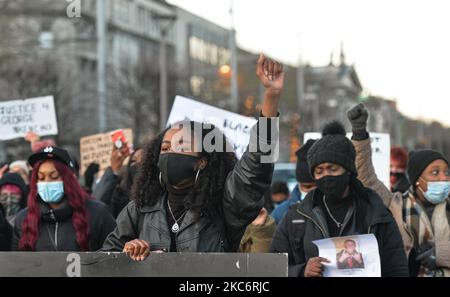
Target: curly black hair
x=207, y=192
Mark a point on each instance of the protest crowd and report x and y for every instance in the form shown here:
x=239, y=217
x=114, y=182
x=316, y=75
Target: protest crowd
x=176, y=194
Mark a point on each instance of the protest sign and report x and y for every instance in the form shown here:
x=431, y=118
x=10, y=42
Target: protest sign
x=234, y=126
x=381, y=153
x=18, y=117
x=97, y=148
x=350, y=256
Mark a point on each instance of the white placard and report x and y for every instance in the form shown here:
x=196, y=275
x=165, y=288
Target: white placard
x=234, y=126
x=381, y=153
x=350, y=256
x=18, y=117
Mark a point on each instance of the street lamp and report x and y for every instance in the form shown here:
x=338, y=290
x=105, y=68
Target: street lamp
x=101, y=65
x=165, y=23
x=225, y=70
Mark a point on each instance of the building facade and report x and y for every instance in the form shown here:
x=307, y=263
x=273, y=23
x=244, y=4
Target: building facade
x=43, y=51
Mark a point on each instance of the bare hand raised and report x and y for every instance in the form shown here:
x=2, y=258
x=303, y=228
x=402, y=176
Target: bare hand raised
x=271, y=75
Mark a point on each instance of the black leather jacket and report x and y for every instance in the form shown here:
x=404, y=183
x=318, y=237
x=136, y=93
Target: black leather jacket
x=243, y=198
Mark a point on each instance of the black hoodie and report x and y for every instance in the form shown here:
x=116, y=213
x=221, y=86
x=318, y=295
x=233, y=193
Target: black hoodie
x=5, y=232
x=11, y=178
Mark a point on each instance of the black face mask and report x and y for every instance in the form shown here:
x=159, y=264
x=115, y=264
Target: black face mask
x=176, y=168
x=333, y=187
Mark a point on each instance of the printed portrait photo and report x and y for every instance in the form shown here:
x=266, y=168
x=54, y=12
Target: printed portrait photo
x=347, y=254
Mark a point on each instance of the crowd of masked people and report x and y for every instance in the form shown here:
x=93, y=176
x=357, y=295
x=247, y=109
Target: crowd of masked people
x=173, y=196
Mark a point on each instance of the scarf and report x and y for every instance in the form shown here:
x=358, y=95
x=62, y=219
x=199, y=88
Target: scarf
x=425, y=230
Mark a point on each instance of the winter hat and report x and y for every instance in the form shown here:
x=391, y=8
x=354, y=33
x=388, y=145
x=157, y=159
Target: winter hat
x=302, y=173
x=419, y=160
x=333, y=147
x=21, y=164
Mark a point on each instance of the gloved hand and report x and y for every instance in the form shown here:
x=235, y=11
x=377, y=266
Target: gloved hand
x=358, y=116
x=426, y=254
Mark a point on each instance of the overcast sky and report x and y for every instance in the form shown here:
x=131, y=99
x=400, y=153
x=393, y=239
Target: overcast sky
x=401, y=48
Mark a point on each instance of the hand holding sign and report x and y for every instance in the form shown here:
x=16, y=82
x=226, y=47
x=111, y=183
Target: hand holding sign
x=355, y=255
x=99, y=148
x=31, y=137
x=271, y=75
x=118, y=156
x=3, y=170
x=314, y=267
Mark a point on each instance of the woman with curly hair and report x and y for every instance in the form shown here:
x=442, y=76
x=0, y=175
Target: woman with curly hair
x=189, y=198
x=60, y=215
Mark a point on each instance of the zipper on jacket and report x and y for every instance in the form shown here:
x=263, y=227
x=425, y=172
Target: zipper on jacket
x=52, y=215
x=317, y=224
x=56, y=236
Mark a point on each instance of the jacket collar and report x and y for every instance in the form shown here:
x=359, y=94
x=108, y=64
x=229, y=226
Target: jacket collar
x=152, y=208
x=296, y=195
x=188, y=219
x=60, y=214
x=367, y=206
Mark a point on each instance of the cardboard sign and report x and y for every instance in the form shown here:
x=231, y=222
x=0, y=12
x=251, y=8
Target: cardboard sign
x=97, y=148
x=381, y=153
x=18, y=117
x=234, y=126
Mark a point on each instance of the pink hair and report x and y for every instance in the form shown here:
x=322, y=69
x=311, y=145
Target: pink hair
x=11, y=188
x=76, y=198
x=401, y=155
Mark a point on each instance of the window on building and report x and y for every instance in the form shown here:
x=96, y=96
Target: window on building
x=197, y=85
x=122, y=10
x=208, y=52
x=142, y=19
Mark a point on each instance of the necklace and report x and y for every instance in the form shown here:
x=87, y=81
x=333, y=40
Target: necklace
x=175, y=227
x=331, y=216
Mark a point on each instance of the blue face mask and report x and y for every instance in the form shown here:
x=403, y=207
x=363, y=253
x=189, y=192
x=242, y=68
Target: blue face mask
x=437, y=191
x=51, y=192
